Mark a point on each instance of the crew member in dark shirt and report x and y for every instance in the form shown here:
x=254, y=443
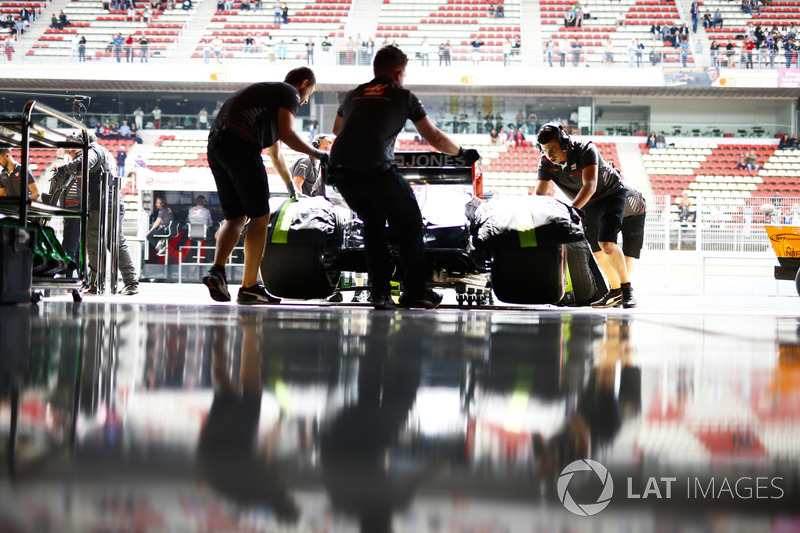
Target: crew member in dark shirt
x=254, y=118
x=367, y=124
x=162, y=225
x=10, y=178
x=578, y=169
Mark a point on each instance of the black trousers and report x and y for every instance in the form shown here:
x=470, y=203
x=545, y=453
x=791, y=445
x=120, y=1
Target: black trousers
x=378, y=197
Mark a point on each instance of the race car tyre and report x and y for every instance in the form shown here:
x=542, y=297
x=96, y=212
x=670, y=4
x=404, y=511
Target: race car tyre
x=297, y=271
x=797, y=282
x=529, y=275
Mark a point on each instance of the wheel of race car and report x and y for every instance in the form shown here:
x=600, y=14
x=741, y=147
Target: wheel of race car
x=797, y=282
x=529, y=275
x=297, y=271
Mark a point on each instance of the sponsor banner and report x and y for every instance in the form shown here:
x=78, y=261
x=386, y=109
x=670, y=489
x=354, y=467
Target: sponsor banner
x=148, y=180
x=691, y=76
x=789, y=77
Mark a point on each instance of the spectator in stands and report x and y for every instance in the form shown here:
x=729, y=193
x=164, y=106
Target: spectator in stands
x=144, y=49
x=444, y=54
x=244, y=5
x=661, y=141
x=156, y=117
x=794, y=143
x=730, y=54
x=569, y=18
x=651, y=140
x=694, y=11
x=476, y=51
x=491, y=11
x=620, y=21
x=310, y=51
x=122, y=156
x=499, y=11
x=563, y=48
x=686, y=211
x=10, y=180
x=717, y=19
x=124, y=131
x=285, y=13
x=752, y=162
x=147, y=14
x=63, y=21
x=708, y=20
x=277, y=9
x=684, y=51
x=202, y=119
x=515, y=50
x=747, y=52
x=519, y=138
x=608, y=54
x=576, y=53
x=783, y=144
x=714, y=48
x=129, y=48
x=549, y=50
x=631, y=52
x=425, y=51
x=116, y=42
x=741, y=162
x=54, y=22
x=206, y=47
x=745, y=7
x=216, y=46
x=655, y=57
x=8, y=49
x=493, y=136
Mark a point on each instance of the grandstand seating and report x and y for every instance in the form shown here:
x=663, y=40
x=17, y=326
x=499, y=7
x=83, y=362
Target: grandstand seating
x=710, y=172
x=306, y=21
x=89, y=19
x=639, y=16
x=406, y=22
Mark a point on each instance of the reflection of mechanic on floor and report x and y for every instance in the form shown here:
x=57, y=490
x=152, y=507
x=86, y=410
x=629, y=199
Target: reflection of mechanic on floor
x=230, y=456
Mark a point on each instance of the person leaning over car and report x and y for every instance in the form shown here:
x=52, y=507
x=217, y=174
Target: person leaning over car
x=578, y=169
x=253, y=118
x=366, y=126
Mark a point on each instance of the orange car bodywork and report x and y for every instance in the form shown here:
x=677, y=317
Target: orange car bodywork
x=785, y=240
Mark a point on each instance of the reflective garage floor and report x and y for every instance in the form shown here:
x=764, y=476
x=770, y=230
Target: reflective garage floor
x=131, y=414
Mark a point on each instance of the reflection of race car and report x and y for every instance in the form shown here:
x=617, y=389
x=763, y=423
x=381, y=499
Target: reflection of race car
x=513, y=246
x=786, y=243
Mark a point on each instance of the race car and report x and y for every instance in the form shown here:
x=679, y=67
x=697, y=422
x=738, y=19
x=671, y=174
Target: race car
x=786, y=244
x=512, y=246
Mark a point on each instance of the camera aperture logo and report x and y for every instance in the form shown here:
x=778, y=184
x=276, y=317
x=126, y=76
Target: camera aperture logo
x=585, y=509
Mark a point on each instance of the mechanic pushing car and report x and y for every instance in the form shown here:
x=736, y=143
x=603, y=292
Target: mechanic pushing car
x=594, y=186
x=366, y=126
x=254, y=118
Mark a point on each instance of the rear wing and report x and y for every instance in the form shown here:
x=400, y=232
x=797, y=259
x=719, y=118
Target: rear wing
x=436, y=168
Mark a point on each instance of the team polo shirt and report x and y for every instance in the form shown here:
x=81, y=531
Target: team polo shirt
x=372, y=116
x=253, y=111
x=305, y=167
x=10, y=182
x=569, y=177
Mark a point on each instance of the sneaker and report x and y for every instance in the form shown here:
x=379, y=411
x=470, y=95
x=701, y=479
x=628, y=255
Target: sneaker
x=255, y=295
x=613, y=298
x=217, y=284
x=336, y=297
x=361, y=296
x=427, y=300
x=90, y=289
x=628, y=299
x=382, y=302
x=130, y=289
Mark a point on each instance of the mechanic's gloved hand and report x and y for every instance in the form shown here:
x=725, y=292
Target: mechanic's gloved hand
x=322, y=156
x=470, y=155
x=291, y=190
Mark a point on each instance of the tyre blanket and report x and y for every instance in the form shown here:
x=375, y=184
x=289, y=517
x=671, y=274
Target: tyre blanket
x=305, y=221
x=585, y=282
x=525, y=222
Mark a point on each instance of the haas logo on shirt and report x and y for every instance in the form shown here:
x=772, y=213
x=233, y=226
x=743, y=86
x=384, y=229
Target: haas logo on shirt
x=375, y=90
